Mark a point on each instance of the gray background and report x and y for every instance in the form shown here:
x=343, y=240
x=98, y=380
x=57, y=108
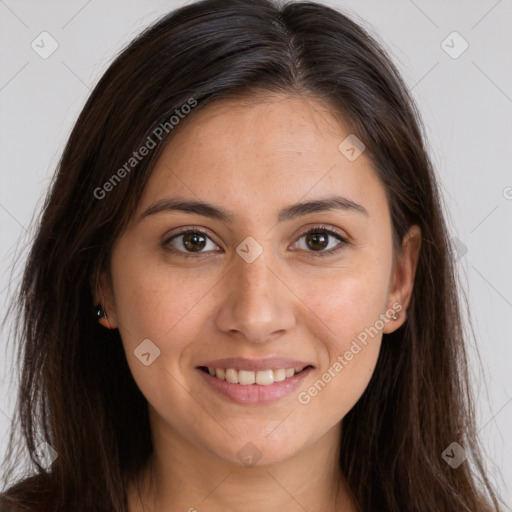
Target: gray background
x=466, y=103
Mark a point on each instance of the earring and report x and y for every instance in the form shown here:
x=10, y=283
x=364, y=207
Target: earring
x=100, y=312
x=394, y=317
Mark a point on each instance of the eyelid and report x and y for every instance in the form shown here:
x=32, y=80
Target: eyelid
x=186, y=229
x=323, y=227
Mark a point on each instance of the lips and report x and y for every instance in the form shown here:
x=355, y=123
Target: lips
x=254, y=381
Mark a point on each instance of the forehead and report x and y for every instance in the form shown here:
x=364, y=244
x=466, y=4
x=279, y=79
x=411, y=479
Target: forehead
x=262, y=152
x=282, y=125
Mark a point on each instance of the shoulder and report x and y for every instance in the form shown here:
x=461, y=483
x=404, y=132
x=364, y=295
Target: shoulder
x=31, y=494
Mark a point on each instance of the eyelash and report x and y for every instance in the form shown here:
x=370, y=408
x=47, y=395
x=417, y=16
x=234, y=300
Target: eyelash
x=315, y=229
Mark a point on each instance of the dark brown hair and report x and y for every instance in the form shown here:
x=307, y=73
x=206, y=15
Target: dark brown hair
x=76, y=390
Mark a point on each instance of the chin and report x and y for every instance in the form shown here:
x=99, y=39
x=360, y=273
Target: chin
x=253, y=451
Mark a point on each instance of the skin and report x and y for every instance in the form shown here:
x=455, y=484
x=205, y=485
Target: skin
x=254, y=157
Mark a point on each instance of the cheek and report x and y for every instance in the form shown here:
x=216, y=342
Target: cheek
x=347, y=301
x=163, y=308
x=155, y=303
x=154, y=300
x=347, y=321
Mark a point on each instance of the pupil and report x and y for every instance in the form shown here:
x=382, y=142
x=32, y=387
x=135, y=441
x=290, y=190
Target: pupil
x=192, y=239
x=315, y=237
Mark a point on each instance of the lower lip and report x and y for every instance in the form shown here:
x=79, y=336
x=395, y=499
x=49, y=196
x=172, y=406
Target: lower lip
x=255, y=393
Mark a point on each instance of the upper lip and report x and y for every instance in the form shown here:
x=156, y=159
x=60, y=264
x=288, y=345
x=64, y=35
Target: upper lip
x=270, y=363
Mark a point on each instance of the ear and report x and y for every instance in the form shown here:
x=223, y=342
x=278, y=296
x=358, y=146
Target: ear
x=103, y=295
x=402, y=280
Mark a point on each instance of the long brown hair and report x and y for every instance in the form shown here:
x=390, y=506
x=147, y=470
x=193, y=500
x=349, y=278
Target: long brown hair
x=76, y=391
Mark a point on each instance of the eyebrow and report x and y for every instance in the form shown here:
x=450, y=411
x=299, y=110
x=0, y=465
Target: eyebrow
x=218, y=213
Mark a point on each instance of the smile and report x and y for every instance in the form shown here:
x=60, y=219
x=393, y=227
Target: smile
x=252, y=387
x=248, y=377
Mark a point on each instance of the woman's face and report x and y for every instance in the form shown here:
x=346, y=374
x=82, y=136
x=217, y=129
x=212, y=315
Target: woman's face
x=254, y=291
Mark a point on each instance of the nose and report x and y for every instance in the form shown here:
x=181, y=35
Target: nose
x=258, y=305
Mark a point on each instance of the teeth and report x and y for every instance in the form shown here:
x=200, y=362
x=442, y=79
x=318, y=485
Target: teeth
x=279, y=375
x=232, y=376
x=264, y=377
x=247, y=377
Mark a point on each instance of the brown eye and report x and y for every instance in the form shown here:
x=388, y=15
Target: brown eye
x=318, y=239
x=194, y=241
x=190, y=243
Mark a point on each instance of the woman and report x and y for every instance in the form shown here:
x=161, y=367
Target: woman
x=241, y=294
